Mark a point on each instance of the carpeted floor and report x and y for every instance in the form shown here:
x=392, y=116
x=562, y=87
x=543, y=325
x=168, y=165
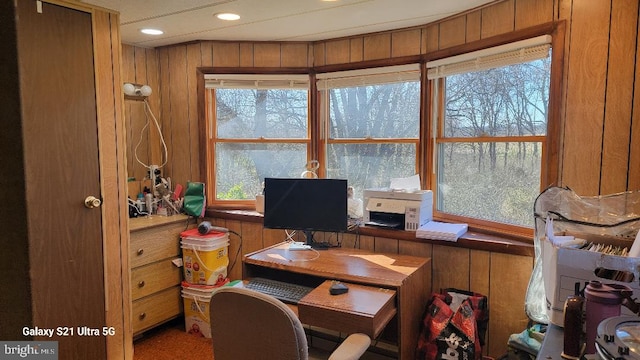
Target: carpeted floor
x=171, y=342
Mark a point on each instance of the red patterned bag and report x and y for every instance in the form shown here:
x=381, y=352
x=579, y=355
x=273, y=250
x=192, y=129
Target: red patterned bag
x=453, y=334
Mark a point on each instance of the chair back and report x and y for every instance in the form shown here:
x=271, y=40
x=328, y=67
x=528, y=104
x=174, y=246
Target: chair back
x=246, y=324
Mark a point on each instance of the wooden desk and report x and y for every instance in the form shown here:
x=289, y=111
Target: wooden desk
x=406, y=275
x=363, y=309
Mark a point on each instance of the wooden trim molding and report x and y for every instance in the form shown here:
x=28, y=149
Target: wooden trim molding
x=474, y=240
x=543, y=29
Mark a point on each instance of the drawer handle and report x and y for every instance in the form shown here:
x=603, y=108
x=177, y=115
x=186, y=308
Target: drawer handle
x=142, y=316
x=140, y=252
x=141, y=284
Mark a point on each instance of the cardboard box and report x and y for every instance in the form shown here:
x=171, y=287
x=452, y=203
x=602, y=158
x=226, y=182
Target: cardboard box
x=564, y=266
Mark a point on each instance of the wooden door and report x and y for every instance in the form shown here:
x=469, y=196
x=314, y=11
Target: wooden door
x=58, y=101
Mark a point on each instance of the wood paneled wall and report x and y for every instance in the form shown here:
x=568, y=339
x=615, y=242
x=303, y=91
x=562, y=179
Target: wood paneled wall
x=171, y=72
x=600, y=116
x=140, y=66
x=600, y=151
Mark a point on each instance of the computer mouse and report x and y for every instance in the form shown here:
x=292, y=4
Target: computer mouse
x=338, y=288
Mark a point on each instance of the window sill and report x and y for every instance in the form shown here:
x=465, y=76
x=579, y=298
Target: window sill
x=470, y=240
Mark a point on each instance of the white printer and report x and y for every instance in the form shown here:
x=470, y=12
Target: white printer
x=398, y=209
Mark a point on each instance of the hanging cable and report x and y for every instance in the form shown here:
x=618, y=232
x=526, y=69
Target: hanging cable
x=148, y=113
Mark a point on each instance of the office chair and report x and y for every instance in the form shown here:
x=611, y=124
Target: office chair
x=246, y=324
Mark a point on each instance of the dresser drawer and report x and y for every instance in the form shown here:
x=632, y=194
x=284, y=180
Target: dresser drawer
x=154, y=309
x=153, y=244
x=148, y=279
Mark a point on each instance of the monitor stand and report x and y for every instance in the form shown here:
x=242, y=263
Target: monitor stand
x=314, y=245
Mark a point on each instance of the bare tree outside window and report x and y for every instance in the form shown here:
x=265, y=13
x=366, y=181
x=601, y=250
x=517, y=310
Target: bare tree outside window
x=259, y=133
x=374, y=133
x=490, y=147
x=490, y=138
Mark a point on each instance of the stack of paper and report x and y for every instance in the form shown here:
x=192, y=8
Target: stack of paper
x=441, y=231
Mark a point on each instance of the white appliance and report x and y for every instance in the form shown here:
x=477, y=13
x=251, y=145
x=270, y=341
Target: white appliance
x=398, y=209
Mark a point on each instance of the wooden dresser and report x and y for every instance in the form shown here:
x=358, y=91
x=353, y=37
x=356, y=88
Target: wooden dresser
x=155, y=279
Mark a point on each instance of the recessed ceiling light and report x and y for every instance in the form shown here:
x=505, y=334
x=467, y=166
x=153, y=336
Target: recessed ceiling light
x=228, y=16
x=152, y=31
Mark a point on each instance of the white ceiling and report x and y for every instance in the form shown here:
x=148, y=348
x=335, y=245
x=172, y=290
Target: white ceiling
x=273, y=20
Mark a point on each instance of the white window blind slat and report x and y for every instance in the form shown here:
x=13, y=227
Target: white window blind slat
x=499, y=56
x=376, y=76
x=261, y=82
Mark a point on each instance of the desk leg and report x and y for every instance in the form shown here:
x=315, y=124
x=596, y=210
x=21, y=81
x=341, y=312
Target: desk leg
x=412, y=299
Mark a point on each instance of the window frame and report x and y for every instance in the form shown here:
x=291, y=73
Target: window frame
x=549, y=174
x=551, y=144
x=211, y=139
x=323, y=115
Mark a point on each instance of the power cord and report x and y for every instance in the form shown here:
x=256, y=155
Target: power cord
x=148, y=112
x=289, y=236
x=235, y=258
x=186, y=226
x=316, y=256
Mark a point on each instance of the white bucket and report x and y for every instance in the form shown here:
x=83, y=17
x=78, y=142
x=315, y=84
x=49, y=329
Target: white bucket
x=196, y=310
x=205, y=262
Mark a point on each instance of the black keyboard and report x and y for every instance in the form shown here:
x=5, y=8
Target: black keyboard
x=283, y=291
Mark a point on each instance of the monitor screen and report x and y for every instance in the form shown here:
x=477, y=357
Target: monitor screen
x=305, y=204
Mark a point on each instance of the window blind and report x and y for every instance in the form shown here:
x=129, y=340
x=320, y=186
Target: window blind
x=261, y=82
x=364, y=77
x=509, y=54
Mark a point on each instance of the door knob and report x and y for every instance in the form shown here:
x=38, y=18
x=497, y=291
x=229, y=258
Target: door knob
x=92, y=202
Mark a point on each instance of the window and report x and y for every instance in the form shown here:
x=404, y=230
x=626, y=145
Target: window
x=489, y=113
x=371, y=119
x=258, y=126
x=478, y=138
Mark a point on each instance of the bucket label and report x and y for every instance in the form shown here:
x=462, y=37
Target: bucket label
x=196, y=315
x=187, y=261
x=202, y=308
x=205, y=267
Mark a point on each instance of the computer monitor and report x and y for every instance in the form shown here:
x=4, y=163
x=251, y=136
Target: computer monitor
x=306, y=204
